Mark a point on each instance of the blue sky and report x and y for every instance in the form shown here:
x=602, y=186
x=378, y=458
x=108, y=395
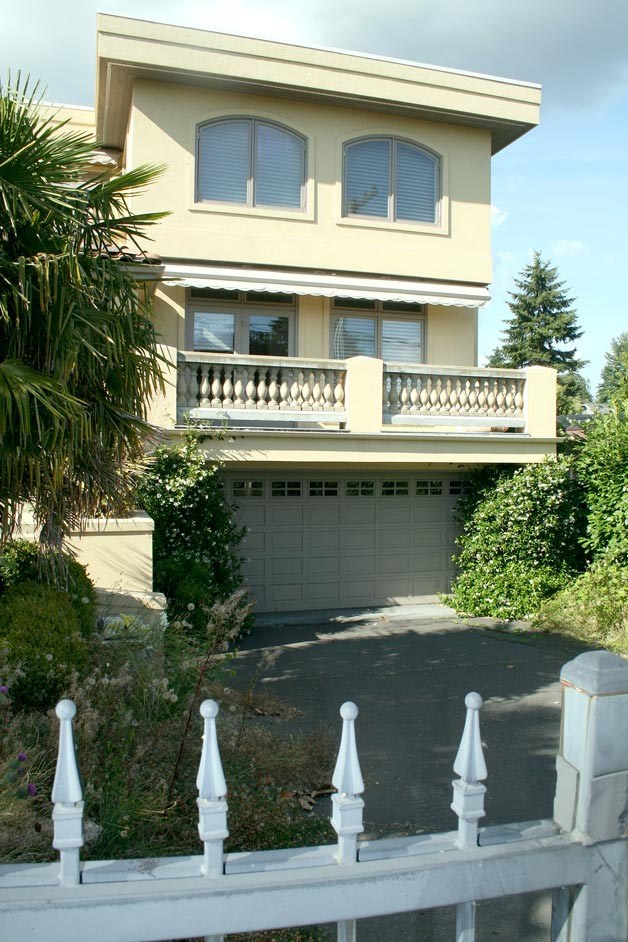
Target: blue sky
x=561, y=189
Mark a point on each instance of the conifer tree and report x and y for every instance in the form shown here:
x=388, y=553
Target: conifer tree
x=543, y=331
x=614, y=378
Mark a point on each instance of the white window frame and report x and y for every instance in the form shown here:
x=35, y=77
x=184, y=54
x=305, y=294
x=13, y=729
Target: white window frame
x=391, y=215
x=242, y=311
x=378, y=314
x=250, y=202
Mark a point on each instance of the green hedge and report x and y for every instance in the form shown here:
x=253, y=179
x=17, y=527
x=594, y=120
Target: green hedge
x=25, y=561
x=41, y=642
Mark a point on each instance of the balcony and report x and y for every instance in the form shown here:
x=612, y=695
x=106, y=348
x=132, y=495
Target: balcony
x=362, y=395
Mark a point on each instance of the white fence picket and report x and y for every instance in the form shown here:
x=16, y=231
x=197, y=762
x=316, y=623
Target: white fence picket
x=347, y=804
x=468, y=802
x=67, y=796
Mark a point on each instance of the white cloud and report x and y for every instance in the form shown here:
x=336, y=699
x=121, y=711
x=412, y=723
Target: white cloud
x=498, y=216
x=568, y=247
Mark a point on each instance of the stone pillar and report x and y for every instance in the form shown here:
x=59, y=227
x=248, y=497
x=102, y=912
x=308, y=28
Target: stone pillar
x=363, y=394
x=540, y=402
x=592, y=797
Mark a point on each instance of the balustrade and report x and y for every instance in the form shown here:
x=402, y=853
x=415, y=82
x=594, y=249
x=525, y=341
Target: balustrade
x=273, y=389
x=265, y=386
x=436, y=395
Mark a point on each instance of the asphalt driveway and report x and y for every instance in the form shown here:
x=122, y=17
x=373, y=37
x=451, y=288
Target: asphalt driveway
x=408, y=669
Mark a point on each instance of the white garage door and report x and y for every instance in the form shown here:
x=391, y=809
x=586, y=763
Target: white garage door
x=339, y=541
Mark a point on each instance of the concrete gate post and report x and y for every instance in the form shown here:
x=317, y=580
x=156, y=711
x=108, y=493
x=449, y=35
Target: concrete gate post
x=591, y=799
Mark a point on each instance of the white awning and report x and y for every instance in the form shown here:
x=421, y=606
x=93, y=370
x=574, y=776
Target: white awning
x=328, y=286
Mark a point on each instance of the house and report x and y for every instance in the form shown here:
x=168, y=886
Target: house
x=322, y=267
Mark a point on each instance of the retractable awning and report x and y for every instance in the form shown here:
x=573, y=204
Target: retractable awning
x=328, y=286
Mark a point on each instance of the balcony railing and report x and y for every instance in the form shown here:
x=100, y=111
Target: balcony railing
x=419, y=394
x=363, y=394
x=260, y=388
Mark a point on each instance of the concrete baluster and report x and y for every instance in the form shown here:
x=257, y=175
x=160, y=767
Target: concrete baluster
x=67, y=796
x=468, y=802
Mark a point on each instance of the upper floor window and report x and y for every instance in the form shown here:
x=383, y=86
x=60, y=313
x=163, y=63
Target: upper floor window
x=386, y=178
x=251, y=163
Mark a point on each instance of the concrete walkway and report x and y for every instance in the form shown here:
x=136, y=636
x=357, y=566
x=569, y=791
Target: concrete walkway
x=408, y=669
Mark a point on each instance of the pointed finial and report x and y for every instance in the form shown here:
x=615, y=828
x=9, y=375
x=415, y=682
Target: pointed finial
x=468, y=797
x=67, y=788
x=210, y=780
x=347, y=777
x=470, y=764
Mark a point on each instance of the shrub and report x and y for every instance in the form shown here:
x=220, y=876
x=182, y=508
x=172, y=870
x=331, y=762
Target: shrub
x=195, y=540
x=593, y=608
x=511, y=590
x=25, y=561
x=40, y=634
x=520, y=540
x=602, y=466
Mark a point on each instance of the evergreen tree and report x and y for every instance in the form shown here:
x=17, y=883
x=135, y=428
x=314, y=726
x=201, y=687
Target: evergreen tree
x=543, y=331
x=614, y=378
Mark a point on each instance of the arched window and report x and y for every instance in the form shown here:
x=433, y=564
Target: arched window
x=387, y=178
x=250, y=162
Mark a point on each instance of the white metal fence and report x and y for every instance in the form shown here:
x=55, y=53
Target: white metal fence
x=582, y=855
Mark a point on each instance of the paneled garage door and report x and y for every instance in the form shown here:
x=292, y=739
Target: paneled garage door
x=339, y=541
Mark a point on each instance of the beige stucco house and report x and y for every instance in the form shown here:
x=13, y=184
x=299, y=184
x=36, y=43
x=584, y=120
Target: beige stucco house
x=323, y=263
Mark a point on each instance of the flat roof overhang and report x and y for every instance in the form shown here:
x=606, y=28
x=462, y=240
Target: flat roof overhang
x=130, y=49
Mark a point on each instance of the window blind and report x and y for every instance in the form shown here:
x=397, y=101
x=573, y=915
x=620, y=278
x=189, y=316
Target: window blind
x=354, y=336
x=279, y=159
x=402, y=341
x=390, y=179
x=367, y=178
x=415, y=184
x=224, y=161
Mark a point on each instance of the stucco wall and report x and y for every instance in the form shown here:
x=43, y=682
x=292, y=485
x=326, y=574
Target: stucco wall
x=118, y=553
x=163, y=126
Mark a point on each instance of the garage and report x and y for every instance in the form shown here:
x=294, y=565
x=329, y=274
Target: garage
x=320, y=541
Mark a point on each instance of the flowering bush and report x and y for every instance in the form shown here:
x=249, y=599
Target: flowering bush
x=195, y=540
x=520, y=542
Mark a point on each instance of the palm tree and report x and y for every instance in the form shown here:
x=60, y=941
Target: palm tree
x=79, y=357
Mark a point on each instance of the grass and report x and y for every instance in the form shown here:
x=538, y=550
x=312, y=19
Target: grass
x=592, y=609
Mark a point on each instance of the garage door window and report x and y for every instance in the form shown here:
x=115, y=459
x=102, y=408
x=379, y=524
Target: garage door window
x=285, y=489
x=323, y=489
x=395, y=488
x=360, y=488
x=248, y=489
x=429, y=488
